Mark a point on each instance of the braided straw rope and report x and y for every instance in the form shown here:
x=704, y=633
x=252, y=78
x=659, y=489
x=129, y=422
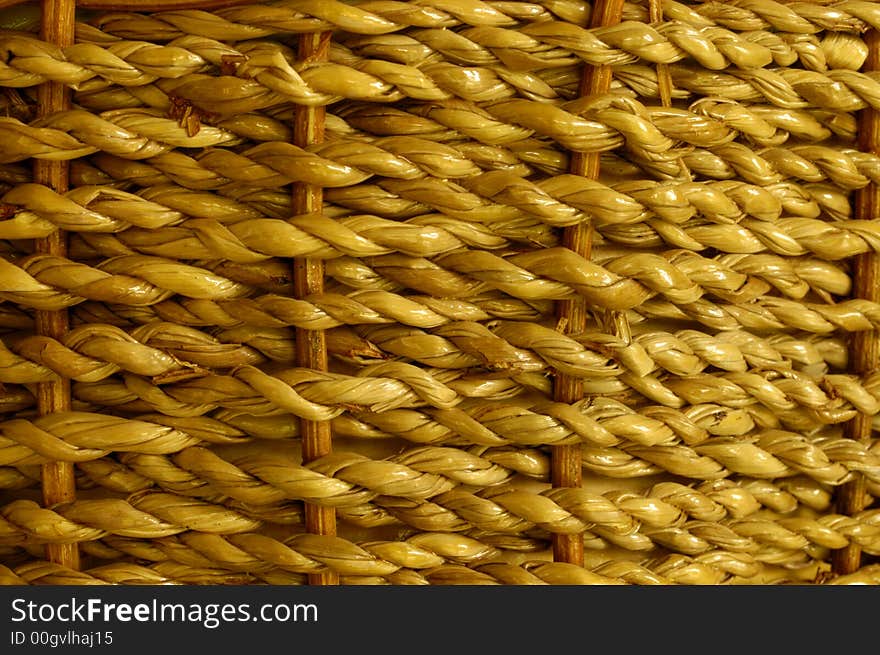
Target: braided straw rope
x=327, y=312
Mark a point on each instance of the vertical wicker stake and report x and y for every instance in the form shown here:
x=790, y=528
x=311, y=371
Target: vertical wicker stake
x=864, y=347
x=59, y=484
x=566, y=463
x=308, y=276
x=664, y=77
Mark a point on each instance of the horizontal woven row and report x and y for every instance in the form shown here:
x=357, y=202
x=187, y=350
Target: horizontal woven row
x=714, y=432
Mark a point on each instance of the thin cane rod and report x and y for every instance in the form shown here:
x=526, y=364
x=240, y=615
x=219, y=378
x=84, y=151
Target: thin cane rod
x=864, y=347
x=566, y=461
x=664, y=77
x=59, y=485
x=311, y=345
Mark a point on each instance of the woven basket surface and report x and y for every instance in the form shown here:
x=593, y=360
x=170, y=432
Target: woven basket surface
x=440, y=292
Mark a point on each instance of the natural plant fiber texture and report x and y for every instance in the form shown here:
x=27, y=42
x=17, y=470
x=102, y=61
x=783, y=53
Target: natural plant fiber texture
x=719, y=383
